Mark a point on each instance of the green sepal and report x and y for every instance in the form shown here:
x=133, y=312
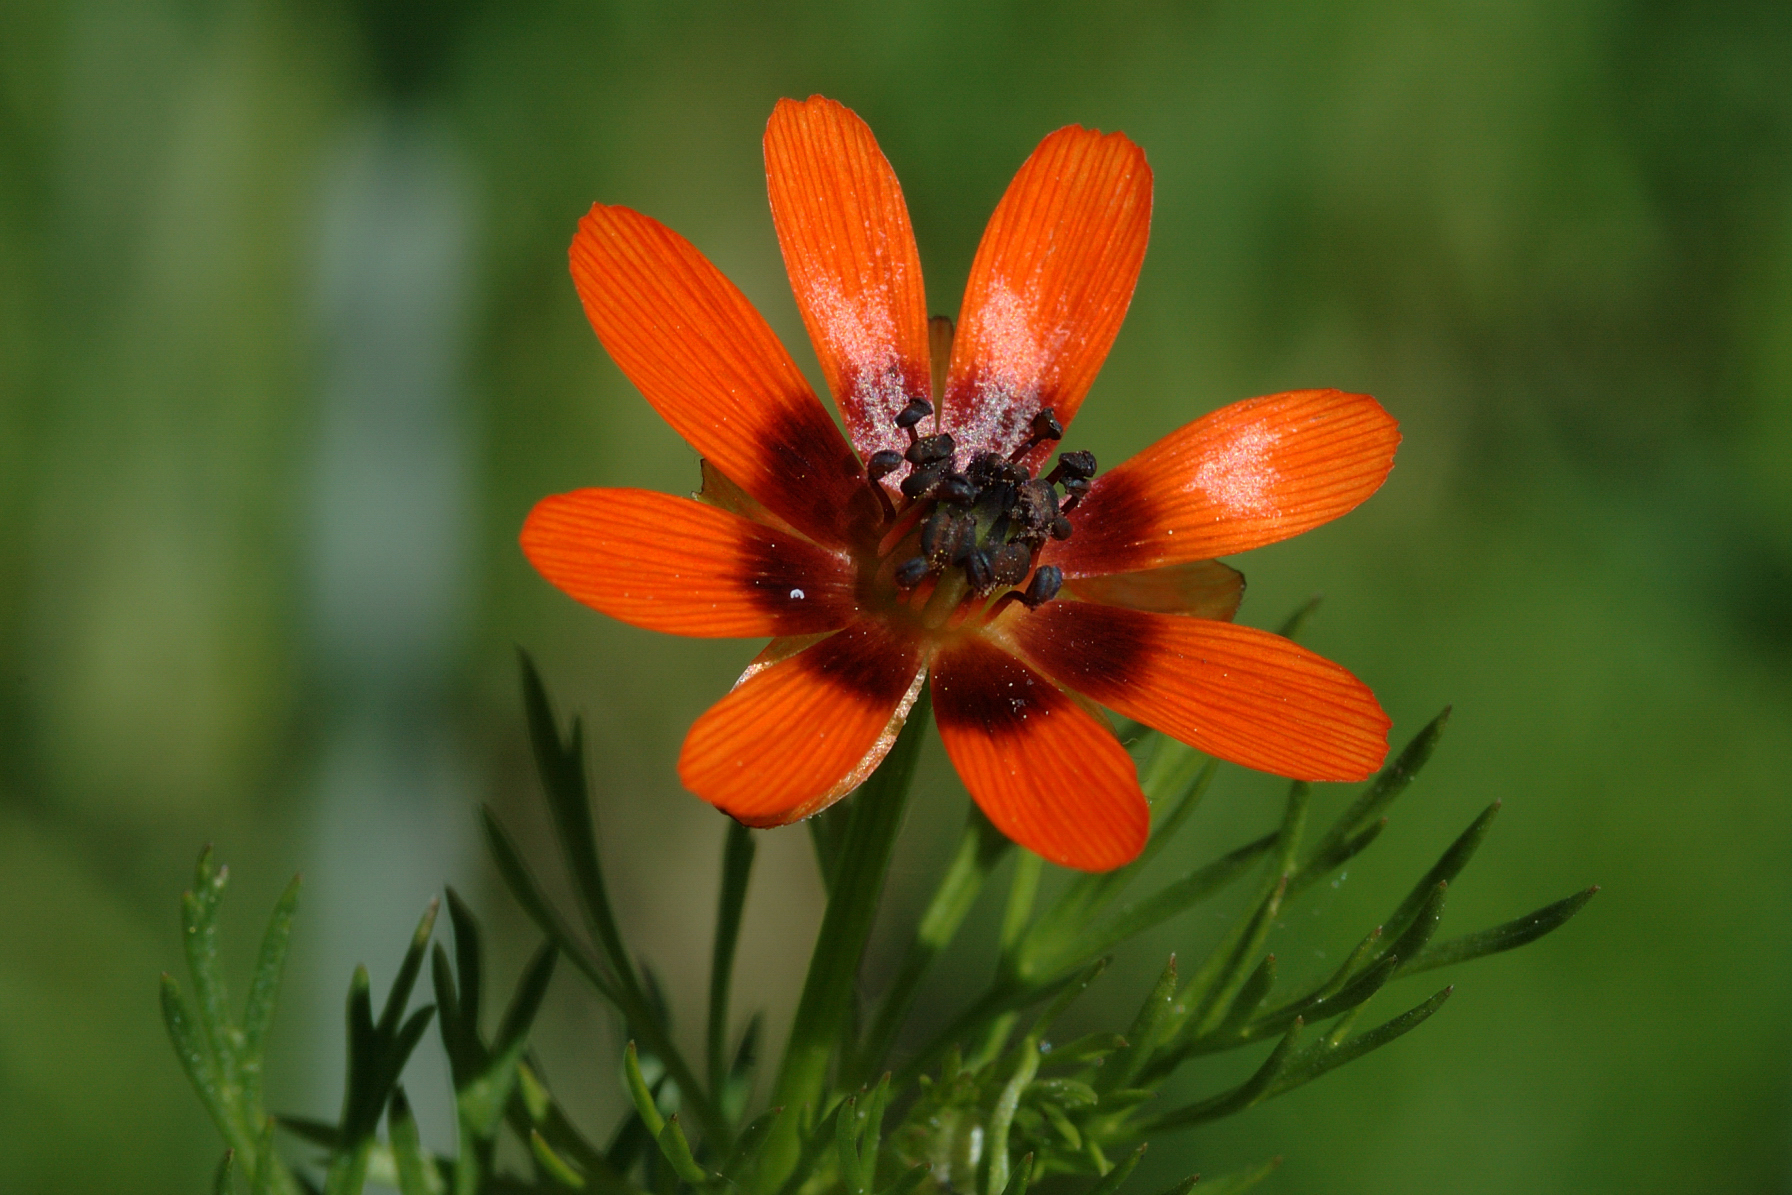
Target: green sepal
x=1296, y=622
x=1507, y=936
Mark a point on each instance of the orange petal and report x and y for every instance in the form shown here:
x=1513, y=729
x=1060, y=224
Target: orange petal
x=1048, y=289
x=1236, y=692
x=1203, y=588
x=714, y=370
x=801, y=732
x=685, y=568
x=1249, y=474
x=1049, y=775
x=851, y=255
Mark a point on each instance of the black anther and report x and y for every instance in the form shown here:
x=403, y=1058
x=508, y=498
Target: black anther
x=883, y=463
x=910, y=571
x=1060, y=528
x=1080, y=465
x=957, y=489
x=1035, y=506
x=1047, y=580
x=929, y=449
x=917, y=410
x=1046, y=426
x=922, y=481
x=1009, y=563
x=939, y=536
x=977, y=569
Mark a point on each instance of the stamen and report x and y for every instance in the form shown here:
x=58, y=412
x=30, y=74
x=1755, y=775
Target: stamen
x=1045, y=427
x=921, y=482
x=1047, y=580
x=883, y=463
x=1060, y=528
x=910, y=572
x=917, y=410
x=928, y=449
x=977, y=570
x=1009, y=563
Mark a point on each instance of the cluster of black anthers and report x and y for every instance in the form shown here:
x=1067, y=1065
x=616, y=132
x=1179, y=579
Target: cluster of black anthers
x=991, y=519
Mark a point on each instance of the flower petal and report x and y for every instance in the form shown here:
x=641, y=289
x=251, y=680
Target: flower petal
x=685, y=568
x=798, y=734
x=1246, y=475
x=1048, y=288
x=1049, y=775
x=844, y=229
x=1203, y=588
x=1236, y=692
x=715, y=371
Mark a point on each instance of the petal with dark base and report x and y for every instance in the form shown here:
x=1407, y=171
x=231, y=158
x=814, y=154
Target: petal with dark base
x=1048, y=774
x=844, y=230
x=685, y=568
x=796, y=735
x=714, y=370
x=1202, y=588
x=1242, y=694
x=1048, y=289
x=1246, y=475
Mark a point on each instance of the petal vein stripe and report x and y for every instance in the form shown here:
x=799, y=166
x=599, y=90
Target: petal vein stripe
x=1048, y=289
x=1249, y=474
x=781, y=742
x=1242, y=694
x=1049, y=775
x=850, y=252
x=685, y=568
x=714, y=370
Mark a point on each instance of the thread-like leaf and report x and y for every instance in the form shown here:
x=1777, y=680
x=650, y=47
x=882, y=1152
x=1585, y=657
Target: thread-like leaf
x=1145, y=1033
x=1507, y=936
x=562, y=767
x=1387, y=785
x=221, y=1178
x=469, y=959
x=1176, y=897
x=1240, y=1180
x=398, y=997
x=1110, y=1182
x=1238, y=1098
x=415, y=1169
x=749, y=1143
x=645, y=1106
x=264, y=991
x=731, y=902
x=908, y=1180
x=192, y=1053
x=677, y=1150
x=1324, y=1057
x=551, y=1162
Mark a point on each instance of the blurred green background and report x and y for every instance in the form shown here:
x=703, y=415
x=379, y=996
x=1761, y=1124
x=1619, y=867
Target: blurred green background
x=287, y=349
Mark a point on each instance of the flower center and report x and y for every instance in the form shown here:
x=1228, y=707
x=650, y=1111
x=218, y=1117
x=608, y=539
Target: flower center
x=964, y=535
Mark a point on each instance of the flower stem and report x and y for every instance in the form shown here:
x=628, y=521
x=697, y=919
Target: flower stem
x=822, y=1013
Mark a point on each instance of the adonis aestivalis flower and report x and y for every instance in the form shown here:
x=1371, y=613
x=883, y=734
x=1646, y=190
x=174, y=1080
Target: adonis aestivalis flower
x=933, y=540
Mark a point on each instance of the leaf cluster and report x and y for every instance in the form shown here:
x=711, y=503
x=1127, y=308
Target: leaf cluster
x=987, y=1104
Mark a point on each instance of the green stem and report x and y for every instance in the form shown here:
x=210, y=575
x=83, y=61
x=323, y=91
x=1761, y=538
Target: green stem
x=980, y=848
x=831, y=986
x=737, y=867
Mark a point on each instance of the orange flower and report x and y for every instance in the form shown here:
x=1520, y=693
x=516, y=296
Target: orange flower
x=934, y=549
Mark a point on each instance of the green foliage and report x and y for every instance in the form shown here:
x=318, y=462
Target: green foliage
x=984, y=1106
